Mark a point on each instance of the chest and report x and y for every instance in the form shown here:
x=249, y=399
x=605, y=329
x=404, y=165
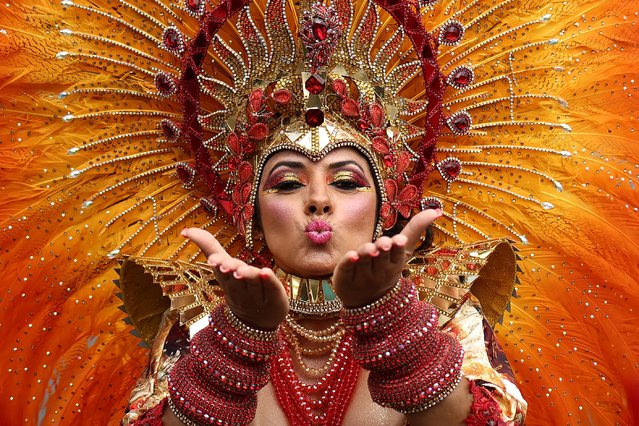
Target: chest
x=360, y=411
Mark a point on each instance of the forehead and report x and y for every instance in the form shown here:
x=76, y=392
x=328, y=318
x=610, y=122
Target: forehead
x=335, y=156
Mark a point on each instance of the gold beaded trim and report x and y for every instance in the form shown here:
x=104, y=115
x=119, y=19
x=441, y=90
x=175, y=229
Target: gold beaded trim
x=247, y=331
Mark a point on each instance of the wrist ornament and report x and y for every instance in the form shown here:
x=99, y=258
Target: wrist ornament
x=413, y=364
x=217, y=382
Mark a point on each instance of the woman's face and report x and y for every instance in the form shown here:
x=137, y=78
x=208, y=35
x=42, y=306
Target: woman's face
x=312, y=213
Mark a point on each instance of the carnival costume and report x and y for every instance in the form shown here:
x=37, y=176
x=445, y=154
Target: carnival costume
x=124, y=122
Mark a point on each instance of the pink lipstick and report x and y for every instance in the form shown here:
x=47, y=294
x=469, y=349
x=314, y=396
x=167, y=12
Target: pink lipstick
x=319, y=232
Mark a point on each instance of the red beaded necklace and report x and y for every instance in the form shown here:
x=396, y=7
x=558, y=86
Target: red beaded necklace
x=322, y=403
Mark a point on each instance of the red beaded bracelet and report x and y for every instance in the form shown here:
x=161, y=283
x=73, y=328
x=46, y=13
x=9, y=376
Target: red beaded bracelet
x=217, y=382
x=413, y=364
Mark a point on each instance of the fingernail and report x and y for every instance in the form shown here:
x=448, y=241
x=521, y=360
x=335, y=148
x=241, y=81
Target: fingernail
x=439, y=212
x=183, y=232
x=263, y=275
x=353, y=259
x=375, y=253
x=237, y=276
x=223, y=269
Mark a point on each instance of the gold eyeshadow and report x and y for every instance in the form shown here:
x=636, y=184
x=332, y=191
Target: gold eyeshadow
x=354, y=177
x=272, y=184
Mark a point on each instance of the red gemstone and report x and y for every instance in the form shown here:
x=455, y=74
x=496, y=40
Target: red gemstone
x=193, y=5
x=447, y=252
x=431, y=270
x=315, y=84
x=165, y=84
x=460, y=123
x=282, y=96
x=320, y=30
x=451, y=33
x=450, y=168
x=171, y=38
x=170, y=130
x=461, y=77
x=314, y=117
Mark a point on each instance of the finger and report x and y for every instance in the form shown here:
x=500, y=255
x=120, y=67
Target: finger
x=382, y=261
x=247, y=273
x=417, y=225
x=204, y=240
x=384, y=243
x=367, y=250
x=398, y=250
x=230, y=265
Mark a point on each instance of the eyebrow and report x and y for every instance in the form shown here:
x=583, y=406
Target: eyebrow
x=339, y=164
x=298, y=165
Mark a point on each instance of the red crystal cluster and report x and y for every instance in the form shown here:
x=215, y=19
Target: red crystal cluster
x=320, y=31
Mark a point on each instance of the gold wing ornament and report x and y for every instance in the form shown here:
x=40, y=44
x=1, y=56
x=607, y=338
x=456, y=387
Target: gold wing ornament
x=124, y=121
x=150, y=288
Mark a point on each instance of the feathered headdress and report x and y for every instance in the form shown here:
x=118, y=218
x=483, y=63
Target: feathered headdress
x=124, y=122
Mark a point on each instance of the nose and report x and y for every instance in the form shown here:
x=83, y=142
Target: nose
x=318, y=201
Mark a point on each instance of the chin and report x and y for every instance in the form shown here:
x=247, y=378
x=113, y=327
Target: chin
x=317, y=269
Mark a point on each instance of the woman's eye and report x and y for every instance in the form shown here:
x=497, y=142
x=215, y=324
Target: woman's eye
x=288, y=185
x=349, y=181
x=347, y=184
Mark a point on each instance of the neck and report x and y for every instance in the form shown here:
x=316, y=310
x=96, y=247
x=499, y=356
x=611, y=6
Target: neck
x=310, y=297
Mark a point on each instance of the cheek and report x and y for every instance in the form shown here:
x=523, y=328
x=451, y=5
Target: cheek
x=274, y=213
x=362, y=211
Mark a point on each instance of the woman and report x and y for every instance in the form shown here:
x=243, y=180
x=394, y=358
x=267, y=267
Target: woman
x=123, y=123
x=317, y=219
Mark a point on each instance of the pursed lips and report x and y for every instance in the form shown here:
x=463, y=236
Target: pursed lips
x=319, y=232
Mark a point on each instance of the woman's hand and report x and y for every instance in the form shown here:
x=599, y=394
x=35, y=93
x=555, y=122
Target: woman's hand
x=254, y=295
x=366, y=274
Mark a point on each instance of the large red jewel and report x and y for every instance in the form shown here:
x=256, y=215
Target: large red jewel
x=451, y=33
x=315, y=84
x=314, y=117
x=431, y=203
x=165, y=84
x=173, y=41
x=320, y=30
x=461, y=77
x=186, y=172
x=170, y=130
x=450, y=169
x=195, y=7
x=459, y=123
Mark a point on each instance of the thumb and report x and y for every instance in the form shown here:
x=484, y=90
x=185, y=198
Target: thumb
x=417, y=226
x=204, y=240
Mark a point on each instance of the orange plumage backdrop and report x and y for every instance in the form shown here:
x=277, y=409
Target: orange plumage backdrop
x=68, y=356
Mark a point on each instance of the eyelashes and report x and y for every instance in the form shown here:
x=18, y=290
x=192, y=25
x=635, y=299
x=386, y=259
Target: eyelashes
x=346, y=179
x=282, y=181
x=287, y=181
